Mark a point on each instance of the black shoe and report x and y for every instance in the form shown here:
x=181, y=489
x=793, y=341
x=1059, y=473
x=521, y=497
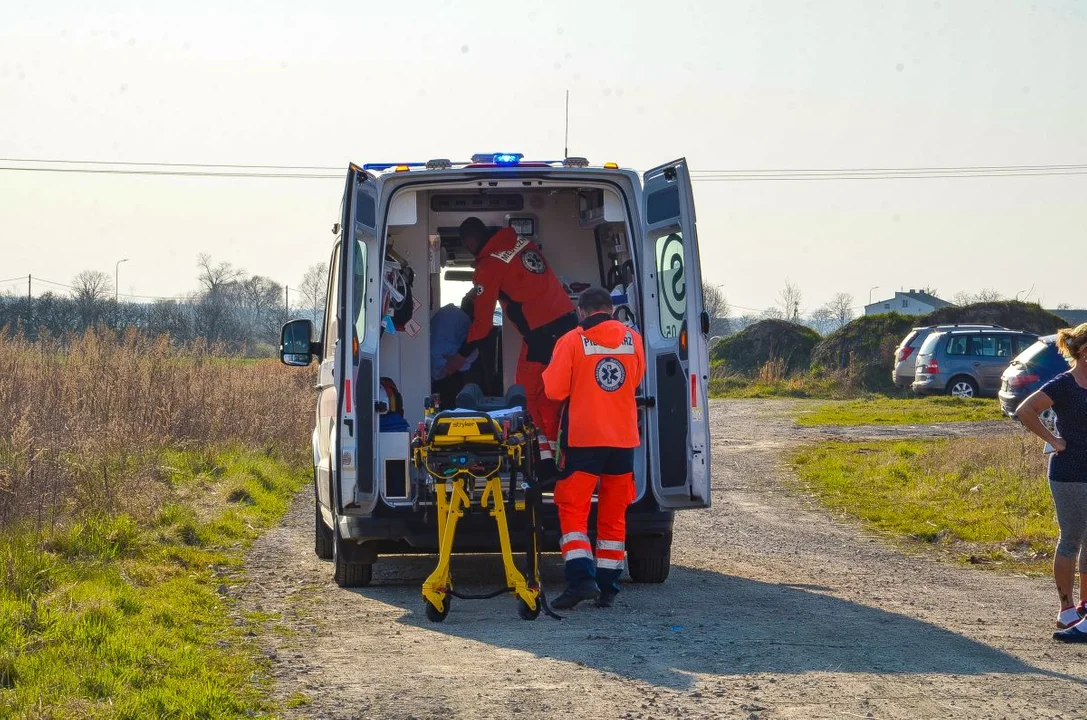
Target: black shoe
x=1071, y=635
x=571, y=596
x=606, y=599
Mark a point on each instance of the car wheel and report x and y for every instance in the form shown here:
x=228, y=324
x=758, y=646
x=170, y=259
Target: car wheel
x=649, y=558
x=348, y=571
x=962, y=387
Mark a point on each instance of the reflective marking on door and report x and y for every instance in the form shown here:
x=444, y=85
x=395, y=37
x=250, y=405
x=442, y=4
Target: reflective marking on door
x=694, y=391
x=347, y=392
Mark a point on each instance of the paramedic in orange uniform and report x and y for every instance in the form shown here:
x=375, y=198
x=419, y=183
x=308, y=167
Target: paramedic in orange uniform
x=595, y=370
x=512, y=270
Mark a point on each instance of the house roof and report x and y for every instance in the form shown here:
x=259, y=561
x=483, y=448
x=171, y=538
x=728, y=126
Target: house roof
x=926, y=298
x=1072, y=317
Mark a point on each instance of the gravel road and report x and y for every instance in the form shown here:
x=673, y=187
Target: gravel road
x=773, y=610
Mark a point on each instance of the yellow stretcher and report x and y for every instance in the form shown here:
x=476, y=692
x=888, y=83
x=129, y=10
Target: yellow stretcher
x=464, y=454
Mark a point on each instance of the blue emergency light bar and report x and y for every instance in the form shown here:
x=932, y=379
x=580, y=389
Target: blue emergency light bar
x=501, y=159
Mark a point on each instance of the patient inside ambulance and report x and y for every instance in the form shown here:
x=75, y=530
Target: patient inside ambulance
x=584, y=238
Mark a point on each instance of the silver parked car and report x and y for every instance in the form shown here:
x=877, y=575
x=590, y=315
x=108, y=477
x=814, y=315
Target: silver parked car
x=906, y=352
x=967, y=363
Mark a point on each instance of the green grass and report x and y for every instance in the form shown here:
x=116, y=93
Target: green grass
x=796, y=386
x=114, y=618
x=908, y=411
x=984, y=500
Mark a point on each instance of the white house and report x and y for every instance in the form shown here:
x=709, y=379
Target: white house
x=914, y=302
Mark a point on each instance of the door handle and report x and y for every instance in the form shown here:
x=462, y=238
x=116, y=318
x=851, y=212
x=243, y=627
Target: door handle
x=646, y=402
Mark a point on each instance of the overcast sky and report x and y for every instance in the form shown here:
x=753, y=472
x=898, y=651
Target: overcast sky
x=729, y=85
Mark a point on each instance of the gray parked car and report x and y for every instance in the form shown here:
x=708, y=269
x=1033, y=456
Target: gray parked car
x=906, y=352
x=967, y=363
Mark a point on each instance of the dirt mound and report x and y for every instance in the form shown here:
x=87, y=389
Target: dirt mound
x=767, y=341
x=865, y=345
x=1010, y=314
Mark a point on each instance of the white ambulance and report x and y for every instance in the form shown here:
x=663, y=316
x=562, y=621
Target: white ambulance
x=395, y=259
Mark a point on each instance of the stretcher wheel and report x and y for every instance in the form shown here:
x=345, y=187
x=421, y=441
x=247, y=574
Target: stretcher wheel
x=435, y=615
x=525, y=613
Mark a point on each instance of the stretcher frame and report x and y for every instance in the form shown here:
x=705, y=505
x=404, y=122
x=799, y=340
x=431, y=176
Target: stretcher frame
x=454, y=449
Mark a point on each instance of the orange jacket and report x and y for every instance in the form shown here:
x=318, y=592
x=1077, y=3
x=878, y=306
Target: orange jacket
x=597, y=367
x=513, y=270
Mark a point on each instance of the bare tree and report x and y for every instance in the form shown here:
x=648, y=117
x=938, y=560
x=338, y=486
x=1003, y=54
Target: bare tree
x=314, y=287
x=789, y=299
x=822, y=320
x=216, y=278
x=716, y=306
x=986, y=295
x=91, y=286
x=772, y=313
x=840, y=309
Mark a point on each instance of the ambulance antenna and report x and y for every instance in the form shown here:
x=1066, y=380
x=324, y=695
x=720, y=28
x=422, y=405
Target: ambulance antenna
x=566, y=141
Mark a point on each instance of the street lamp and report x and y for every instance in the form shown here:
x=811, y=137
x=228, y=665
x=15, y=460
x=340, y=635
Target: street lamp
x=874, y=287
x=117, y=269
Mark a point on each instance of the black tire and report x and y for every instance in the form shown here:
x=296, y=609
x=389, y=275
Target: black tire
x=322, y=543
x=524, y=613
x=649, y=558
x=432, y=613
x=348, y=571
x=963, y=386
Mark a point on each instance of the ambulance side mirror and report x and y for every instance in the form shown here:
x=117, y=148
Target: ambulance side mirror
x=296, y=346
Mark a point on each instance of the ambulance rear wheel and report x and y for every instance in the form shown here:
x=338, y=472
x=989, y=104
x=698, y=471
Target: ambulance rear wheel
x=348, y=570
x=322, y=544
x=525, y=613
x=433, y=614
x=649, y=558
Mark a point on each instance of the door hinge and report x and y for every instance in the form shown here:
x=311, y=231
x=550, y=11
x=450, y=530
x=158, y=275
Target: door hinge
x=646, y=402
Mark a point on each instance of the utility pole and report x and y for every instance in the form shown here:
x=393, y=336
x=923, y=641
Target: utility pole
x=116, y=269
x=286, y=300
x=28, y=281
x=566, y=138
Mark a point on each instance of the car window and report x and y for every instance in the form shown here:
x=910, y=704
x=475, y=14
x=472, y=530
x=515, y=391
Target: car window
x=912, y=340
x=991, y=346
x=1022, y=342
x=958, y=345
x=1034, y=353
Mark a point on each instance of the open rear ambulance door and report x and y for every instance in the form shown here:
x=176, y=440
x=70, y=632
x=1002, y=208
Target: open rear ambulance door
x=356, y=491
x=677, y=361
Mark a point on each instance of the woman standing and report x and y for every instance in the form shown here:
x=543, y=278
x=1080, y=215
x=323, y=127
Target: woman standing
x=1067, y=395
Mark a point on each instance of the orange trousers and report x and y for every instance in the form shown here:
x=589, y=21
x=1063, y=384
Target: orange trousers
x=544, y=410
x=573, y=496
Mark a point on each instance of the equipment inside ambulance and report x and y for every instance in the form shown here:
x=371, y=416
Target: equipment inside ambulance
x=398, y=260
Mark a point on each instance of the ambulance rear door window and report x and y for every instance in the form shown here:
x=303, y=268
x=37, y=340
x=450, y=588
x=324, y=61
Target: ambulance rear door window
x=672, y=295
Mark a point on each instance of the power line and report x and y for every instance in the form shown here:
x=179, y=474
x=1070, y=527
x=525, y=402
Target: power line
x=171, y=164
x=960, y=168
x=175, y=173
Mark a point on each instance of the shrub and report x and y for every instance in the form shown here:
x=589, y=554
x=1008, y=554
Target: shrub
x=771, y=349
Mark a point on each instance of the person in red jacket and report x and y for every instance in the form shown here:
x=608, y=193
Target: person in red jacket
x=595, y=370
x=512, y=270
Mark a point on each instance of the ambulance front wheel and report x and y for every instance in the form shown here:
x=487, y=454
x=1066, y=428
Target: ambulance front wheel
x=526, y=613
x=433, y=614
x=649, y=557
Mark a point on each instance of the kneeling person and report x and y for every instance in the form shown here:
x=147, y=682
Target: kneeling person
x=595, y=370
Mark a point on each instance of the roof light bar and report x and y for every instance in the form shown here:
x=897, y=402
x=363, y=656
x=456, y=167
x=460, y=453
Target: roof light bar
x=439, y=164
x=500, y=159
x=386, y=166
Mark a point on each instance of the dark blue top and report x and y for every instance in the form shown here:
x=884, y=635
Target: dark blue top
x=1070, y=406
